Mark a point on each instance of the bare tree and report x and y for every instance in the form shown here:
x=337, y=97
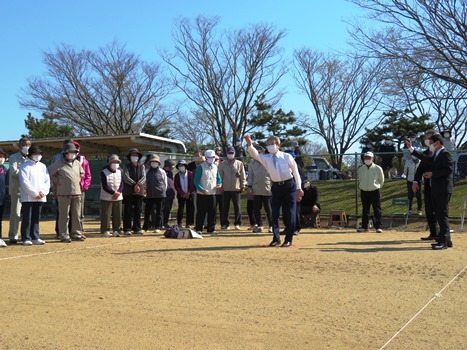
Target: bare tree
x=431, y=35
x=222, y=74
x=343, y=94
x=422, y=93
x=110, y=91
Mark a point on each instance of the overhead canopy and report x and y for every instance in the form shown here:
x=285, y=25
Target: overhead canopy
x=101, y=146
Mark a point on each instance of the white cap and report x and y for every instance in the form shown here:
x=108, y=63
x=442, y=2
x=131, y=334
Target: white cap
x=209, y=153
x=369, y=154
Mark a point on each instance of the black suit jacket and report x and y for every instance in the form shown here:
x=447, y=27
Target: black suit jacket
x=443, y=171
x=424, y=166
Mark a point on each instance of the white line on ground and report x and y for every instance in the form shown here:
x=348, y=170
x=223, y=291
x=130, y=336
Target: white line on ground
x=73, y=250
x=437, y=295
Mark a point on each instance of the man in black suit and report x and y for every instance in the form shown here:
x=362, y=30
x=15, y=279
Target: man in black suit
x=425, y=166
x=441, y=180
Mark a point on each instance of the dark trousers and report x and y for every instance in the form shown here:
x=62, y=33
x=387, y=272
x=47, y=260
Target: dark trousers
x=430, y=213
x=440, y=205
x=2, y=208
x=111, y=209
x=220, y=205
x=167, y=208
x=371, y=199
x=284, y=196
x=250, y=211
x=206, y=205
x=190, y=210
x=30, y=217
x=308, y=210
x=410, y=196
x=148, y=210
x=132, y=212
x=233, y=196
x=258, y=203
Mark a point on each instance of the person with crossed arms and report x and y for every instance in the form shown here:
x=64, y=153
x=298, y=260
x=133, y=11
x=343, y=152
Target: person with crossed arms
x=286, y=186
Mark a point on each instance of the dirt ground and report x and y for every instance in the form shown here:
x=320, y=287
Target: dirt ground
x=336, y=289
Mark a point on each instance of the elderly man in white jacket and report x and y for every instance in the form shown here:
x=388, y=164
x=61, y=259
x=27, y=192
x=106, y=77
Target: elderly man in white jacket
x=34, y=183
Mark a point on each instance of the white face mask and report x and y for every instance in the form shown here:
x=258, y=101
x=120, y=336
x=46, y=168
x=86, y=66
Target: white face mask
x=154, y=165
x=272, y=149
x=389, y=143
x=114, y=166
x=412, y=139
x=2, y=160
x=427, y=143
x=432, y=148
x=134, y=159
x=24, y=149
x=181, y=169
x=210, y=160
x=238, y=143
x=71, y=156
x=446, y=135
x=230, y=156
x=368, y=162
x=36, y=157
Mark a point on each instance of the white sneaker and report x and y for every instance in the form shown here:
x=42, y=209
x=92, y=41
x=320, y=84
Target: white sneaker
x=258, y=229
x=237, y=227
x=27, y=243
x=2, y=243
x=270, y=229
x=127, y=233
x=157, y=230
x=378, y=230
x=225, y=228
x=107, y=234
x=38, y=241
x=361, y=229
x=116, y=234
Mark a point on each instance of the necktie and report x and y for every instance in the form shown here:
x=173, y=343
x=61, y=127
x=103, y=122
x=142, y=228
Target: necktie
x=274, y=160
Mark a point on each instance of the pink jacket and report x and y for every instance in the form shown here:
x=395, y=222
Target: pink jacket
x=86, y=179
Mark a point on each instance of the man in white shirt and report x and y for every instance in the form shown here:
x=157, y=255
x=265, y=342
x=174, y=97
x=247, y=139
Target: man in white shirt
x=286, y=186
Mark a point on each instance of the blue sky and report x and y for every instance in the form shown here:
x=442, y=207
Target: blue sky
x=28, y=28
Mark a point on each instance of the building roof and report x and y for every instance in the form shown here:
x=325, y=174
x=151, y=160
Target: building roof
x=102, y=146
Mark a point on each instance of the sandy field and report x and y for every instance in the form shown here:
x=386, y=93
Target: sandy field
x=335, y=289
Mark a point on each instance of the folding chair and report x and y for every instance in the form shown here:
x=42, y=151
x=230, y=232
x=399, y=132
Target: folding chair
x=463, y=212
x=399, y=204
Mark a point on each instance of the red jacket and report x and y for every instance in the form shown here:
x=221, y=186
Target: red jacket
x=178, y=187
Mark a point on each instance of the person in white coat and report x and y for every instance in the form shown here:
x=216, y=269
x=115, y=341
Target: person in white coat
x=34, y=183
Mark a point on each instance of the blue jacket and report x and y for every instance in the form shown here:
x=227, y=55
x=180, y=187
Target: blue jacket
x=3, y=177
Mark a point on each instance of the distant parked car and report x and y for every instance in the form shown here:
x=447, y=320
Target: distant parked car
x=321, y=169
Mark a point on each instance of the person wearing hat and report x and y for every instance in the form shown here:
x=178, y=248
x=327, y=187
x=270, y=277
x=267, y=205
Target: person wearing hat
x=170, y=193
x=183, y=182
x=15, y=161
x=3, y=176
x=207, y=180
x=35, y=186
x=134, y=178
x=65, y=176
x=259, y=185
x=370, y=181
x=156, y=191
x=239, y=150
x=111, y=197
x=85, y=180
x=233, y=176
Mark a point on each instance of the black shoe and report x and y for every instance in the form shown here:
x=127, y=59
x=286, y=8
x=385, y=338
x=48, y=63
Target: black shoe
x=274, y=243
x=449, y=244
x=439, y=246
x=286, y=244
x=429, y=238
x=13, y=241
